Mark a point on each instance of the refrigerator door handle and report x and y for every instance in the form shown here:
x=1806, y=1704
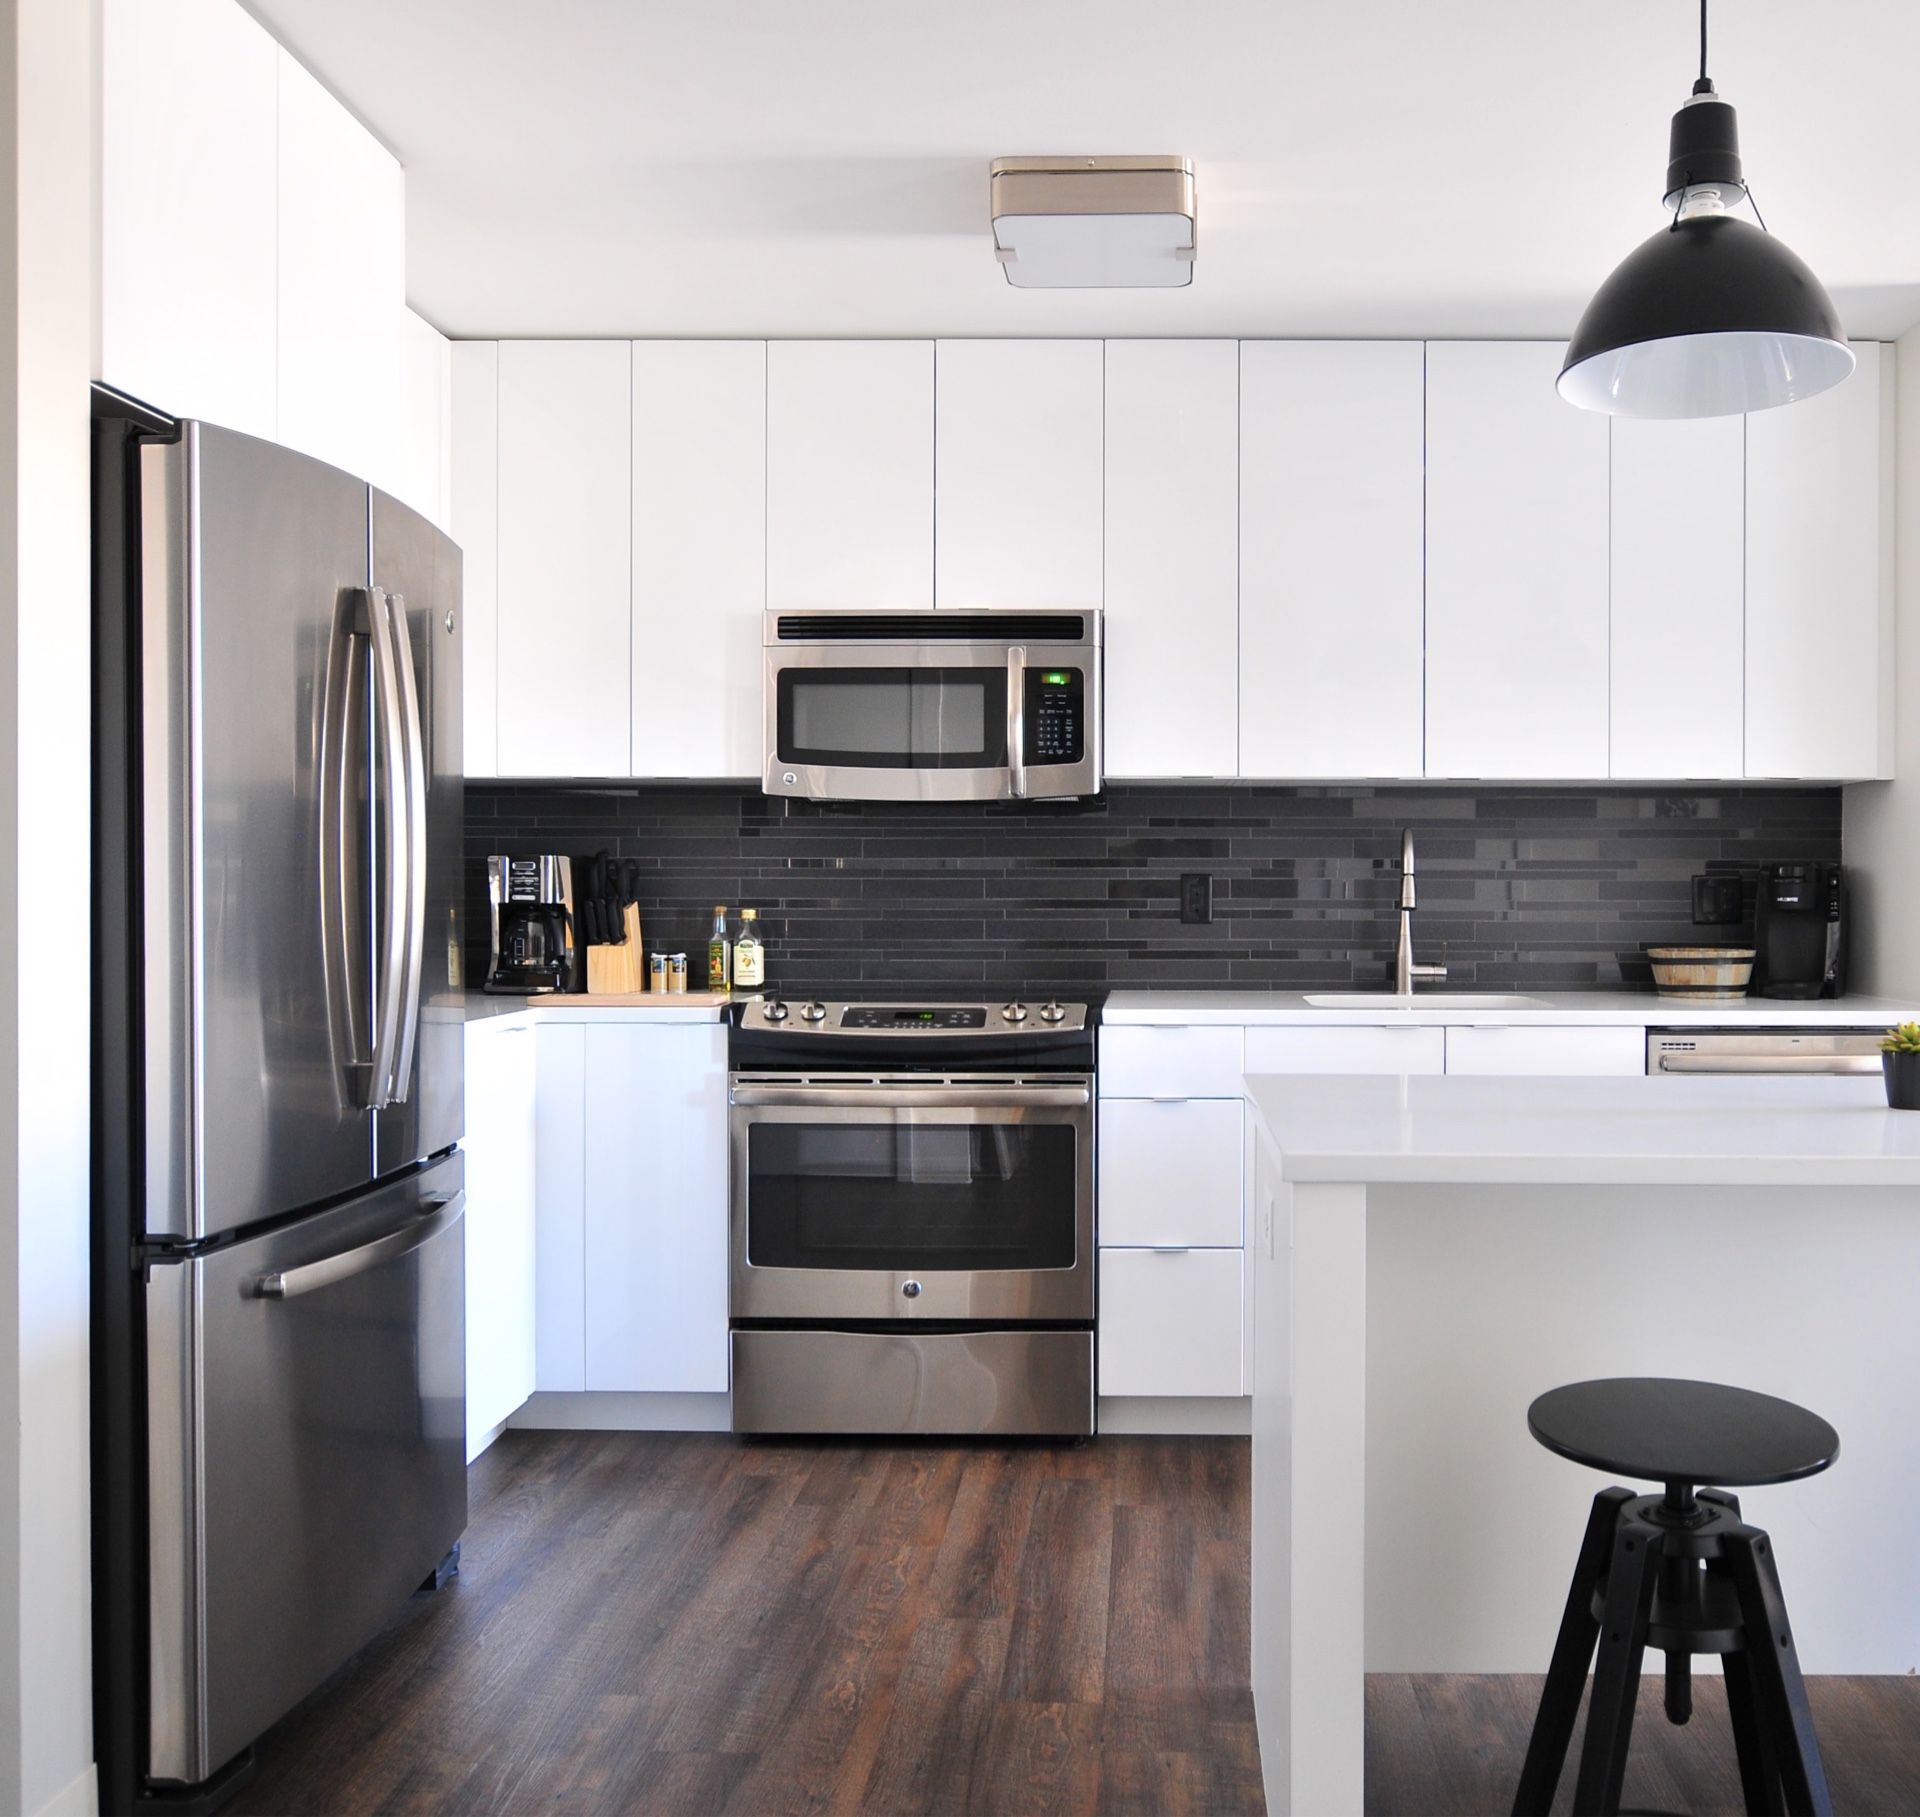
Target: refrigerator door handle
x=413, y=778
x=343, y=937
x=396, y=847
x=310, y=1277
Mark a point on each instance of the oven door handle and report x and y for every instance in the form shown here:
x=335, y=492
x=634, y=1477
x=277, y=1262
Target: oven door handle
x=916, y=1097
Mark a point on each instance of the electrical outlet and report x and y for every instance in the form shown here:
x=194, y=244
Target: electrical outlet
x=1196, y=899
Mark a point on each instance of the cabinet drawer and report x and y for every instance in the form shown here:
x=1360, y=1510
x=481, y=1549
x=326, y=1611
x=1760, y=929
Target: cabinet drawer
x=1171, y=1172
x=1171, y=1322
x=1346, y=1050
x=1616, y=1051
x=1171, y=1060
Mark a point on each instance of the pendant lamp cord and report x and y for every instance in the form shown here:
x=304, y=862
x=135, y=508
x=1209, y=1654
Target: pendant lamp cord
x=1704, y=86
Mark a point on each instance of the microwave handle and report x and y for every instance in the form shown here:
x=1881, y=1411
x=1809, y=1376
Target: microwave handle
x=1017, y=722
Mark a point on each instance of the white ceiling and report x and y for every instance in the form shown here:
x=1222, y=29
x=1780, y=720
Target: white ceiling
x=1365, y=167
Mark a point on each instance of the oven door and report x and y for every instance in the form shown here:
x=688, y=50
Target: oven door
x=943, y=721
x=912, y=1198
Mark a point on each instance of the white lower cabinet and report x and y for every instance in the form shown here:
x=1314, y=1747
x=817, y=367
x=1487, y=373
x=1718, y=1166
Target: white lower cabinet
x=632, y=1207
x=1569, y=1052
x=1172, y=1322
x=499, y=1226
x=1171, y=1060
x=1171, y=1171
x=1406, y=1049
x=655, y=1193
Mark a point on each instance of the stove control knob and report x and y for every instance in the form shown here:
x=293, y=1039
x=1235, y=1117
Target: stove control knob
x=776, y=1011
x=1013, y=1012
x=813, y=1012
x=1051, y=1011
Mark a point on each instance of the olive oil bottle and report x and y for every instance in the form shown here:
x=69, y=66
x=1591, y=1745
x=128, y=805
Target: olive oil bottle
x=749, y=956
x=719, y=953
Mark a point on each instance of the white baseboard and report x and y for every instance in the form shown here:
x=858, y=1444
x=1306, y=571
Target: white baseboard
x=476, y=1446
x=80, y=1799
x=1210, y=1416
x=625, y=1413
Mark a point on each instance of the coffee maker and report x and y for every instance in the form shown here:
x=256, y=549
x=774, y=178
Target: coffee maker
x=531, y=918
x=1800, y=931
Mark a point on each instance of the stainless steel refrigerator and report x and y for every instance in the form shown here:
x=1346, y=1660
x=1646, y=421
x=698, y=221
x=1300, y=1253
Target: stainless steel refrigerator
x=279, y=1397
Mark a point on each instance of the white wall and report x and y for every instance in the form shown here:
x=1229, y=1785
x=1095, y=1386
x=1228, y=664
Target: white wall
x=47, y=97
x=1881, y=820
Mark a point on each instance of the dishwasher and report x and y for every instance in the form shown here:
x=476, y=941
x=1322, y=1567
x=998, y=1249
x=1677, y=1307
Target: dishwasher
x=1764, y=1050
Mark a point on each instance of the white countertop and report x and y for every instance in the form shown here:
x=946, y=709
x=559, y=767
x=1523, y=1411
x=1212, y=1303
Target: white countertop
x=694, y=1006
x=1588, y=1131
x=1556, y=1009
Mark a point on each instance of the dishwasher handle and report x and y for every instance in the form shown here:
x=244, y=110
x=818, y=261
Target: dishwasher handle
x=1769, y=1063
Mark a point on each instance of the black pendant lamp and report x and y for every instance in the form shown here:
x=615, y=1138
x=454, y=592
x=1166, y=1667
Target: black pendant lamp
x=1712, y=316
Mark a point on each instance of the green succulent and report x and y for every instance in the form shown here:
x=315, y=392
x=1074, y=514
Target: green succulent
x=1902, y=1040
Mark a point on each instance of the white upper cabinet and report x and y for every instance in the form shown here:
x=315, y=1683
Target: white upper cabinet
x=1172, y=586
x=1516, y=567
x=473, y=521
x=1819, y=670
x=1331, y=558
x=699, y=555
x=188, y=274
x=342, y=285
x=849, y=475
x=423, y=421
x=1018, y=458
x=1678, y=618
x=565, y=558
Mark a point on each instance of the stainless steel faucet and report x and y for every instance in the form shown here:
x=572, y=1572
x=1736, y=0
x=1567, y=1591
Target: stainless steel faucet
x=1404, y=969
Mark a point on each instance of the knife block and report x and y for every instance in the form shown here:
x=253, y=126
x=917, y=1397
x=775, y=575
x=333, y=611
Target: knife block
x=619, y=970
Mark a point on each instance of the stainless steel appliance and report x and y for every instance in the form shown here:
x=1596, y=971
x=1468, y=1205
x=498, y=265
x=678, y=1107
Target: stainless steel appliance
x=279, y=1354
x=1764, y=1050
x=1800, y=931
x=933, y=706
x=530, y=948
x=912, y=1217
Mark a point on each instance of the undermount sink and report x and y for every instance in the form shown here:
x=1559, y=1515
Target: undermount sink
x=1426, y=1000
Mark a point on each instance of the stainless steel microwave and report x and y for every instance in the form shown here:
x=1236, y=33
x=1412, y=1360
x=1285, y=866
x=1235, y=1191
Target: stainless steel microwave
x=933, y=706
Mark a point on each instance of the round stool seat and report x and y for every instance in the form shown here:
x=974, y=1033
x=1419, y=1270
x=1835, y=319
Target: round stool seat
x=1656, y=1429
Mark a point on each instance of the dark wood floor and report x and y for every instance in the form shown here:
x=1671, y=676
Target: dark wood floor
x=684, y=1624
x=687, y=1626
x=1452, y=1747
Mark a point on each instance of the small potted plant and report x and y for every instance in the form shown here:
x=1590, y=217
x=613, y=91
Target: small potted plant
x=1900, y=1062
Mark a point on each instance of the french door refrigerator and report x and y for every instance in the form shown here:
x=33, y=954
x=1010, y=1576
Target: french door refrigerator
x=279, y=1380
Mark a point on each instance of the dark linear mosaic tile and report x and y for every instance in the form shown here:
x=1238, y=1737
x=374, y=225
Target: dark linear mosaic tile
x=1521, y=889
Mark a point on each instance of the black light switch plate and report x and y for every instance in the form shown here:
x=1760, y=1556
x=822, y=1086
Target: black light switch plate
x=1716, y=901
x=1196, y=898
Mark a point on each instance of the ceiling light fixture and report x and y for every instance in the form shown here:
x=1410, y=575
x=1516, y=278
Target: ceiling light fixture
x=1094, y=223
x=1711, y=316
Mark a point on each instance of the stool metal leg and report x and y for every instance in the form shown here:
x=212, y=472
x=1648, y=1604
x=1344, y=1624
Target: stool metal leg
x=1637, y=1552
x=1572, y=1651
x=1776, y=1669
x=1752, y=1743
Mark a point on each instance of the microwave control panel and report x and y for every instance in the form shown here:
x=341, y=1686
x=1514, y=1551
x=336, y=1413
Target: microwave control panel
x=1056, y=716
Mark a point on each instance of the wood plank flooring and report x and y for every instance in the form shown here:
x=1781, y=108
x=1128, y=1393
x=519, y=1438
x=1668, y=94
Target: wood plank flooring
x=680, y=1623
x=683, y=1625
x=1452, y=1747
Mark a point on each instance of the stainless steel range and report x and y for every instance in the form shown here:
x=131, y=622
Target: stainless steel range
x=912, y=1217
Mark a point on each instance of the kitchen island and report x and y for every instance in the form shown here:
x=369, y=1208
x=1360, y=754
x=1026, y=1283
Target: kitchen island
x=1428, y=1254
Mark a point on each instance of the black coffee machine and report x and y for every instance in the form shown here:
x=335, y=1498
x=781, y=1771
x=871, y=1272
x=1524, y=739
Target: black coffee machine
x=1800, y=931
x=530, y=904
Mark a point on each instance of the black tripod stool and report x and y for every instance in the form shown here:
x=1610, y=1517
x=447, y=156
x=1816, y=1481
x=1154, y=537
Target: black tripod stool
x=1679, y=1571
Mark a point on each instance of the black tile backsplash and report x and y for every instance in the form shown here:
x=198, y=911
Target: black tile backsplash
x=1519, y=888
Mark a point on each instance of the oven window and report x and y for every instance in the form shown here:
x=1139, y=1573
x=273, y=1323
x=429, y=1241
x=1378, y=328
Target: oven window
x=894, y=719
x=904, y=1196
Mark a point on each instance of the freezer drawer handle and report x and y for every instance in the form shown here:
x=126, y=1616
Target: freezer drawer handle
x=310, y=1277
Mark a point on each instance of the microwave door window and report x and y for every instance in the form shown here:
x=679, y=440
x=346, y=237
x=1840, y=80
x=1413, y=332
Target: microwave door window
x=903, y=719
